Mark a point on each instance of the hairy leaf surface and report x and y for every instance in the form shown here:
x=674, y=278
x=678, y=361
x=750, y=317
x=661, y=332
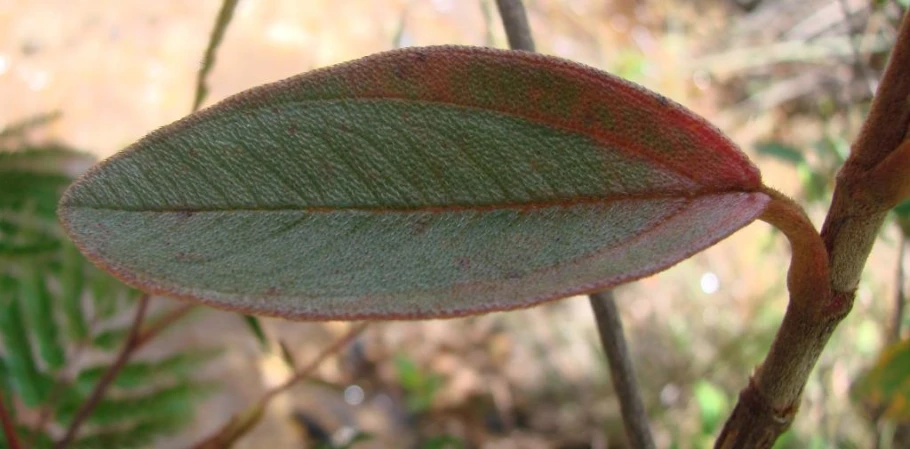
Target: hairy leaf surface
x=424, y=182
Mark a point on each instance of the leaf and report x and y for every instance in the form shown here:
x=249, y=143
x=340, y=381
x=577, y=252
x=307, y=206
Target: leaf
x=138, y=374
x=37, y=303
x=424, y=182
x=255, y=327
x=160, y=401
x=887, y=385
x=27, y=381
x=139, y=435
x=72, y=283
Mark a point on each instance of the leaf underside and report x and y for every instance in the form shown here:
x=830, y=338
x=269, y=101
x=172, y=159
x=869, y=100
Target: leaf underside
x=418, y=183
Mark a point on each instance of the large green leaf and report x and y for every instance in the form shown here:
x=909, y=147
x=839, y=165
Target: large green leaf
x=423, y=182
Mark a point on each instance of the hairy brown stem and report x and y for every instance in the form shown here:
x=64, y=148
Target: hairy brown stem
x=609, y=326
x=9, y=428
x=242, y=423
x=867, y=186
x=129, y=348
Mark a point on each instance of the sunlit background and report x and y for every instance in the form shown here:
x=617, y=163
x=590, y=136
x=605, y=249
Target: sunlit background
x=788, y=81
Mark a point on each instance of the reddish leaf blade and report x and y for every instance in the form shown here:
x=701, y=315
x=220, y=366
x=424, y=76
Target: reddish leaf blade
x=418, y=183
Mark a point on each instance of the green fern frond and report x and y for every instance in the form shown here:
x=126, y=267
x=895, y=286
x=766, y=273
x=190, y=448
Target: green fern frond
x=40, y=189
x=49, y=158
x=27, y=381
x=72, y=284
x=17, y=129
x=167, y=401
x=39, y=313
x=138, y=374
x=111, y=339
x=137, y=435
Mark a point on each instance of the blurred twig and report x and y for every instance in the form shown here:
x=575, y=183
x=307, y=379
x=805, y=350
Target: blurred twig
x=609, y=326
x=208, y=61
x=859, y=69
x=515, y=20
x=240, y=424
x=822, y=50
x=129, y=348
x=9, y=429
x=155, y=328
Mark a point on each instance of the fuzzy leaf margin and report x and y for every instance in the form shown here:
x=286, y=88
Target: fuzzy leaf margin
x=418, y=183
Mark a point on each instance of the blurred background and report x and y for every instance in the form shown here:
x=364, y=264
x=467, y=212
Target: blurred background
x=789, y=81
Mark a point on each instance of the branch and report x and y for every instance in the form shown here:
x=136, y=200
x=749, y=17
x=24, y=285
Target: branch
x=155, y=328
x=867, y=187
x=9, y=429
x=609, y=326
x=208, y=61
x=243, y=422
x=129, y=348
x=515, y=20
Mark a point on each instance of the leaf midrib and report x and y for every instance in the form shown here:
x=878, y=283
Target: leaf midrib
x=522, y=207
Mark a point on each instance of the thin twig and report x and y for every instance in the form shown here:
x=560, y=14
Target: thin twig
x=242, y=423
x=163, y=323
x=208, y=61
x=900, y=299
x=859, y=69
x=126, y=352
x=609, y=326
x=515, y=20
x=305, y=371
x=9, y=429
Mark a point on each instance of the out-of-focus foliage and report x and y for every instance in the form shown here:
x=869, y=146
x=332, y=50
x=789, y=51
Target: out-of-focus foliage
x=886, y=386
x=57, y=311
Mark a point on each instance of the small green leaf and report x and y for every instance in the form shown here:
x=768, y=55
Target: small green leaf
x=417, y=183
x=420, y=387
x=887, y=385
x=255, y=326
